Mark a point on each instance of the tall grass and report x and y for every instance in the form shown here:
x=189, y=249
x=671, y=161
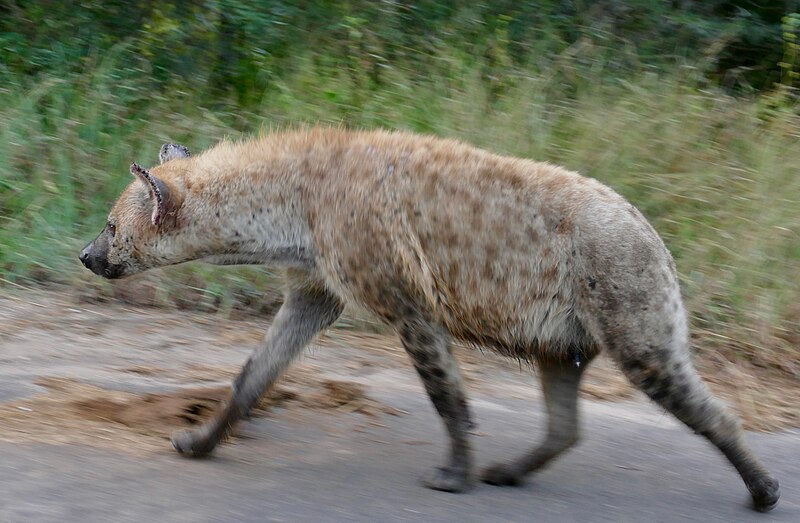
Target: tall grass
x=718, y=176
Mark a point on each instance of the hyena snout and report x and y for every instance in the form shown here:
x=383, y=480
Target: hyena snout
x=95, y=258
x=85, y=256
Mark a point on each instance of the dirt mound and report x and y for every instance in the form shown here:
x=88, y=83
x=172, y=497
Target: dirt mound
x=75, y=412
x=346, y=396
x=153, y=414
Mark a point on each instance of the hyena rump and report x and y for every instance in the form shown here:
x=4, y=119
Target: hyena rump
x=439, y=240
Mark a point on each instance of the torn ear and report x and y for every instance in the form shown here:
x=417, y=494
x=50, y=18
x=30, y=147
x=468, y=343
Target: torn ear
x=165, y=200
x=172, y=151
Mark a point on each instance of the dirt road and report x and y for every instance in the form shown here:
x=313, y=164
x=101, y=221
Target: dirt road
x=89, y=393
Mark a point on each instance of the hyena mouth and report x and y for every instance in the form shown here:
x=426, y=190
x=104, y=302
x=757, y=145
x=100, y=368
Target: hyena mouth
x=112, y=272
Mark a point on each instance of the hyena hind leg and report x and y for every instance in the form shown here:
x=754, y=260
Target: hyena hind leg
x=666, y=374
x=560, y=382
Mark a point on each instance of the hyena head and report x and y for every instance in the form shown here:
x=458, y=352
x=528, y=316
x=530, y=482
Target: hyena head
x=143, y=227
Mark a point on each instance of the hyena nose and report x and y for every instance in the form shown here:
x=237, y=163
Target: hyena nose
x=84, y=256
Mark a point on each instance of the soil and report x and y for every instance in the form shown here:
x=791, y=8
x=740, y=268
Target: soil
x=125, y=378
x=70, y=410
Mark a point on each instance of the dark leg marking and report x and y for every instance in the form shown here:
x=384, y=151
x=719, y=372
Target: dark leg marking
x=677, y=387
x=652, y=347
x=428, y=345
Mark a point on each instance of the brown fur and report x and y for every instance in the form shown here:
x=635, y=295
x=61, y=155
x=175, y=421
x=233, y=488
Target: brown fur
x=438, y=239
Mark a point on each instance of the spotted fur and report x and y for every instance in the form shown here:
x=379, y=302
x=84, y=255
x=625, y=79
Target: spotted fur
x=439, y=240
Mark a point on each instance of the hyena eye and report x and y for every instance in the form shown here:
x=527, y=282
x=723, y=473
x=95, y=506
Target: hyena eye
x=112, y=229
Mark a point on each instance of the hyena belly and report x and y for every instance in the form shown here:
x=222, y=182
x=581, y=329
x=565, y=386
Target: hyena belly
x=509, y=292
x=501, y=257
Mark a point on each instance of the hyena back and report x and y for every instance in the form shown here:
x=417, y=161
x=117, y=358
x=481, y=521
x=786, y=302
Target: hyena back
x=439, y=240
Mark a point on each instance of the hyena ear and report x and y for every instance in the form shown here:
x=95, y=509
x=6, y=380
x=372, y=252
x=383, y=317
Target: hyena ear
x=165, y=204
x=172, y=151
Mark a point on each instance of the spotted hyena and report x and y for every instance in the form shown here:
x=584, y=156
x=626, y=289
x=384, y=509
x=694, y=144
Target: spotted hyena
x=439, y=240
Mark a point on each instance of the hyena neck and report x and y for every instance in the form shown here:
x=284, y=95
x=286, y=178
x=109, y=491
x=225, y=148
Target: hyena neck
x=254, y=217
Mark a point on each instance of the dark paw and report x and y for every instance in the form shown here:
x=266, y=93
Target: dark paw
x=766, y=493
x=195, y=443
x=502, y=475
x=447, y=479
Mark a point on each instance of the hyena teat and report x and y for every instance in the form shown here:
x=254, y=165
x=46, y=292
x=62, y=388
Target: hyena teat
x=439, y=240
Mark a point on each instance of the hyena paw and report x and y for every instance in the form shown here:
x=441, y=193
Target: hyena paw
x=447, y=479
x=193, y=443
x=765, y=492
x=502, y=475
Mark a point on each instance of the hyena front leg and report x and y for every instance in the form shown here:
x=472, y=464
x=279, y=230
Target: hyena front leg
x=428, y=345
x=560, y=381
x=307, y=310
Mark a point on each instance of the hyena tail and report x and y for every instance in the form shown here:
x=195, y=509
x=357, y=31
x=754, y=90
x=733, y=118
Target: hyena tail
x=650, y=344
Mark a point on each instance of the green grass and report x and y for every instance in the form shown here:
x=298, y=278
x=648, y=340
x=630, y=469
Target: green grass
x=719, y=177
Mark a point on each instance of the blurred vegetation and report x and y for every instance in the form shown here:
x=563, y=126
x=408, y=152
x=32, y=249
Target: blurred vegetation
x=688, y=108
